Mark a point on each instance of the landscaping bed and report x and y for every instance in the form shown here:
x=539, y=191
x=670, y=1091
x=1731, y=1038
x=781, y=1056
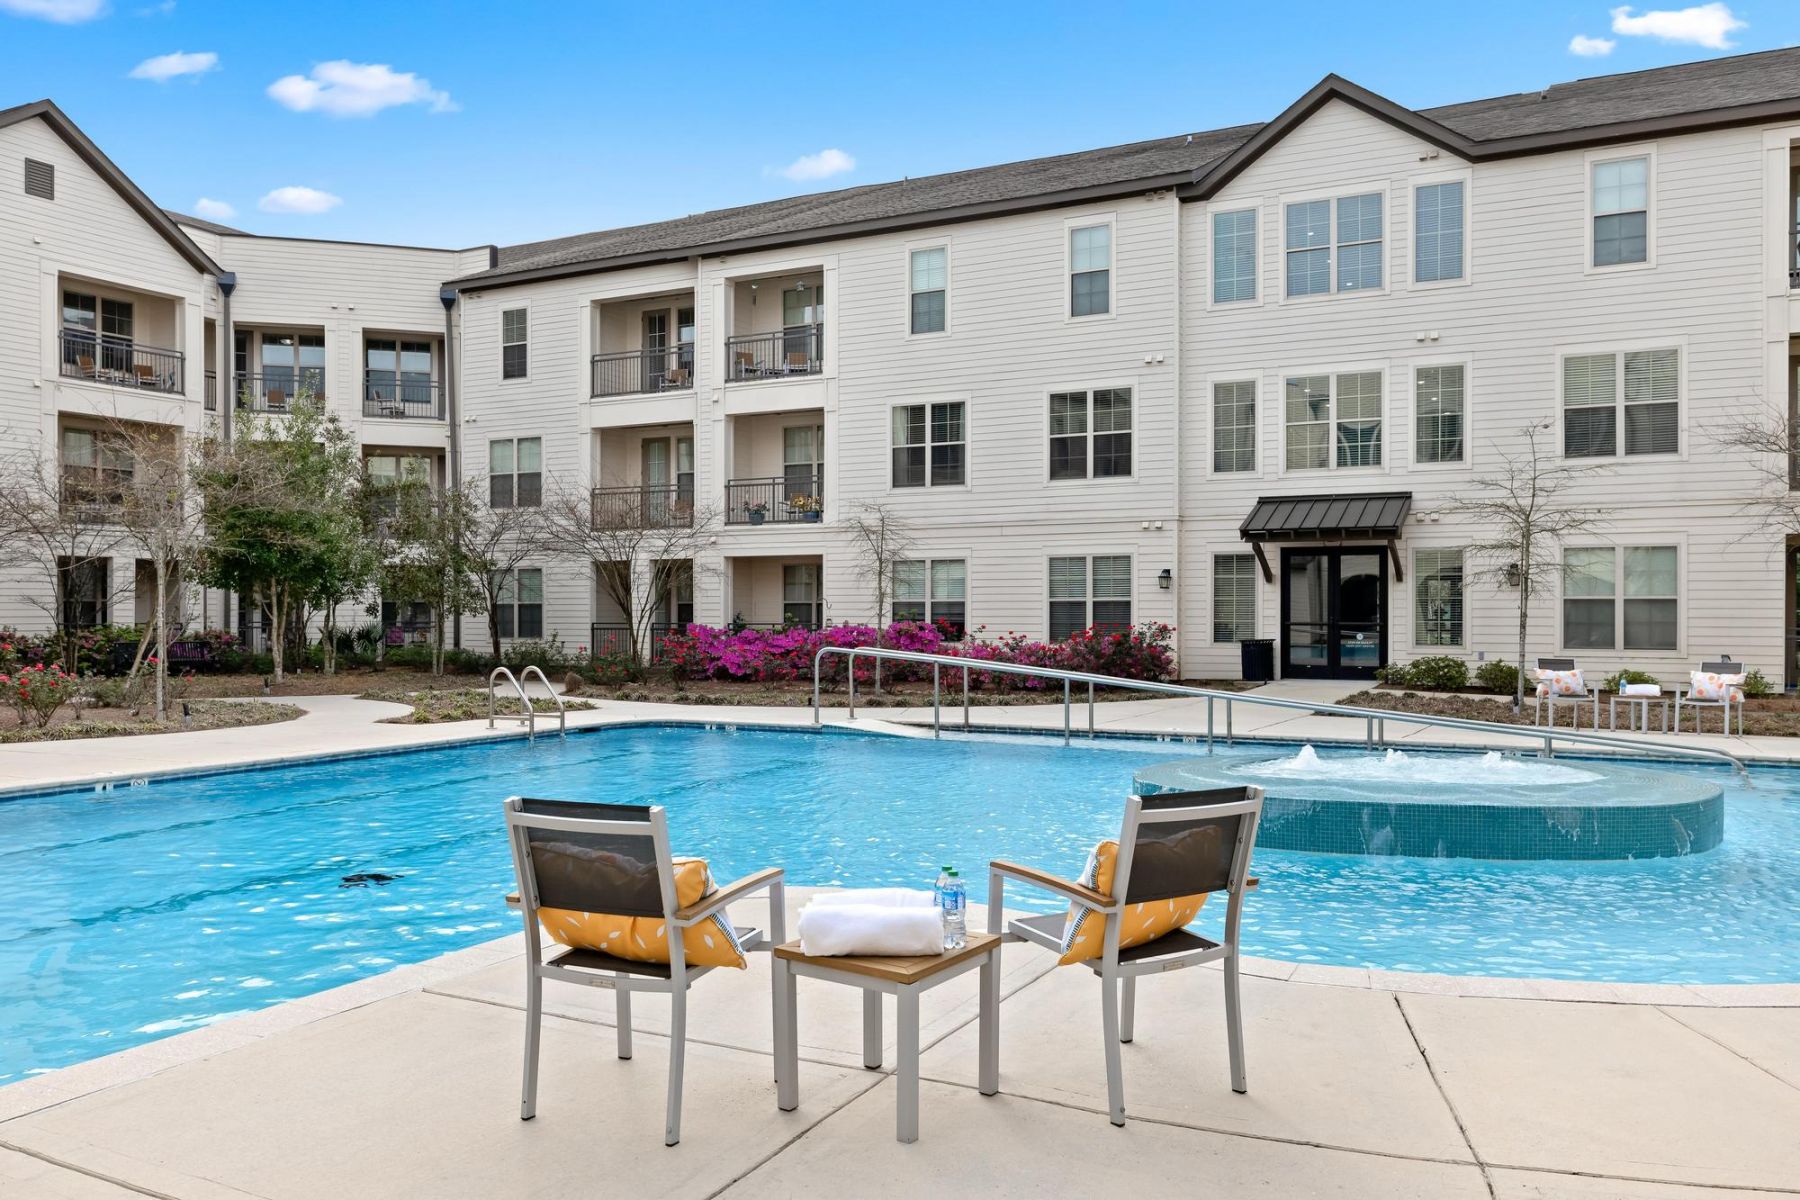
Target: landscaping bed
x=435, y=706
x=909, y=693
x=74, y=722
x=1777, y=716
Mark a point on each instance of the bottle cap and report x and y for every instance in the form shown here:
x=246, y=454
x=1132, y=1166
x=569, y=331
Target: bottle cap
x=954, y=874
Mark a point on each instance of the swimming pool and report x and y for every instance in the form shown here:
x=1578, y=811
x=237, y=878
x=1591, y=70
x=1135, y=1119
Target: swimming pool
x=142, y=911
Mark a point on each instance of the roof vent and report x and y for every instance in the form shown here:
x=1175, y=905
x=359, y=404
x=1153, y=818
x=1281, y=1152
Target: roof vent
x=40, y=179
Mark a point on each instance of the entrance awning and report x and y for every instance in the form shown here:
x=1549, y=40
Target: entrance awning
x=1331, y=518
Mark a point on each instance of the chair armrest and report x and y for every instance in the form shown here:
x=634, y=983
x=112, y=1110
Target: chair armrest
x=1054, y=883
x=737, y=890
x=512, y=900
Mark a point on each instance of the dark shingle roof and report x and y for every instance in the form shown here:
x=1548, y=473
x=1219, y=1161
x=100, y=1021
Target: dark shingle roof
x=203, y=223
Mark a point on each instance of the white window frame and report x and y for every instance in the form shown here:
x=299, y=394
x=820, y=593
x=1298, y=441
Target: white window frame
x=1619, y=350
x=1417, y=577
x=1331, y=468
x=968, y=442
x=1212, y=263
x=500, y=334
x=1412, y=407
x=1088, y=558
x=1594, y=158
x=1676, y=541
x=1070, y=225
x=509, y=583
x=1255, y=380
x=906, y=316
x=1090, y=479
x=1467, y=179
x=515, y=472
x=929, y=561
x=1213, y=590
x=1333, y=195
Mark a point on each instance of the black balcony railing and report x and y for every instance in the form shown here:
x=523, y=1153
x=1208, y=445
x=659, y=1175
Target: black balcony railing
x=212, y=391
x=94, y=493
x=275, y=391
x=781, y=499
x=614, y=641
x=1794, y=257
x=798, y=350
x=650, y=506
x=120, y=362
x=629, y=372
x=402, y=397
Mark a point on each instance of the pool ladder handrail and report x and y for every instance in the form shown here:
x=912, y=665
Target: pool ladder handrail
x=529, y=716
x=1375, y=719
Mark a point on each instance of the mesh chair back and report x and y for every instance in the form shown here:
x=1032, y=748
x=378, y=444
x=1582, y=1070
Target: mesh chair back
x=600, y=872
x=1187, y=855
x=1724, y=666
x=1556, y=664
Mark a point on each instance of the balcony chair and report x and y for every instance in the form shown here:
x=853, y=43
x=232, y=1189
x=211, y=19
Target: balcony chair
x=275, y=400
x=1547, y=690
x=610, y=863
x=1717, y=685
x=678, y=378
x=145, y=375
x=1173, y=846
x=798, y=362
x=85, y=364
x=745, y=364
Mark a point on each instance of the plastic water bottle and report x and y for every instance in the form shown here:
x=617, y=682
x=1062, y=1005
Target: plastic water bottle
x=937, y=889
x=955, y=904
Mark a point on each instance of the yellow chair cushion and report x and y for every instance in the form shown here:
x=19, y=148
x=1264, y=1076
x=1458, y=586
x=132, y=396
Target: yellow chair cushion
x=711, y=943
x=1084, y=935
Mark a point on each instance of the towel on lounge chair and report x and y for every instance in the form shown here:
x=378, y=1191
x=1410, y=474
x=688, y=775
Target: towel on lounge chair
x=891, y=897
x=893, y=924
x=1641, y=689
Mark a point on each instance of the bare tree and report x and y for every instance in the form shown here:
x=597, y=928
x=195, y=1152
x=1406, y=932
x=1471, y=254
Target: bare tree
x=1770, y=442
x=881, y=538
x=495, y=542
x=54, y=515
x=1527, y=515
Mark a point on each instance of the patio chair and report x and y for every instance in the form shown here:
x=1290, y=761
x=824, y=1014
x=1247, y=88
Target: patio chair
x=745, y=363
x=1714, y=694
x=798, y=362
x=276, y=399
x=1171, y=846
x=1547, y=691
x=613, y=859
x=85, y=364
x=678, y=378
x=144, y=375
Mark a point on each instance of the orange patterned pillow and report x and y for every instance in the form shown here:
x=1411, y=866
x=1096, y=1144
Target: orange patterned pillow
x=1559, y=683
x=1713, y=686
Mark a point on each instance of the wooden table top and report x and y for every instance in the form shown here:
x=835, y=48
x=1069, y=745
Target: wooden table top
x=894, y=968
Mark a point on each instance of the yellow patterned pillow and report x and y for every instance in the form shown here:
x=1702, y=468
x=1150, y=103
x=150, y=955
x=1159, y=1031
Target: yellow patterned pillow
x=711, y=943
x=1084, y=936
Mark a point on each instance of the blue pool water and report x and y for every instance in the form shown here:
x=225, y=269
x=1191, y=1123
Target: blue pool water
x=142, y=911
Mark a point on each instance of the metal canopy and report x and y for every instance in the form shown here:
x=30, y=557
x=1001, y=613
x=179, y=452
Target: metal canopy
x=1314, y=518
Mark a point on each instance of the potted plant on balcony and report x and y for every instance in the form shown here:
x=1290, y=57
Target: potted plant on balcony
x=756, y=511
x=810, y=508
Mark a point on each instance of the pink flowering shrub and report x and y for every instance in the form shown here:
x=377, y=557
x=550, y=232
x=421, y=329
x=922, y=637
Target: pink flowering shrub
x=38, y=692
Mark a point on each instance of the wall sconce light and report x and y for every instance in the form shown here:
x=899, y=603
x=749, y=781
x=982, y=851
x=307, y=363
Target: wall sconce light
x=1165, y=579
x=1512, y=575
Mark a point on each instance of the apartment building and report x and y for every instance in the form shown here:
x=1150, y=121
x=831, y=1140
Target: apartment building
x=1234, y=381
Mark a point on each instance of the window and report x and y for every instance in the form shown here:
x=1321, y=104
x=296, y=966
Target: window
x=1309, y=248
x=1359, y=242
x=1309, y=243
x=398, y=372
x=1646, y=384
x=1234, y=597
x=1438, y=232
x=95, y=324
x=514, y=352
x=1438, y=405
x=1438, y=597
x=929, y=285
x=1089, y=593
x=802, y=463
x=1090, y=434
x=1621, y=197
x=800, y=601
x=1234, y=426
x=82, y=586
x=1313, y=430
x=930, y=445
x=294, y=363
x=519, y=603
x=936, y=590
x=1234, y=256
x=1593, y=618
x=516, y=473
x=1090, y=271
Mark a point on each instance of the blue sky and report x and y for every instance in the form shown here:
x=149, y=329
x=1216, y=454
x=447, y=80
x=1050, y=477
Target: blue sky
x=508, y=122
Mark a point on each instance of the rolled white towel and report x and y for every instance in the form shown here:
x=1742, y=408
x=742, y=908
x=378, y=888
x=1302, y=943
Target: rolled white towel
x=870, y=929
x=1641, y=689
x=890, y=897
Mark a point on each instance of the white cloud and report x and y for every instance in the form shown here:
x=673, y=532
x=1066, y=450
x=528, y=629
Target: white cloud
x=298, y=200
x=63, y=12
x=165, y=67
x=345, y=89
x=1591, y=47
x=822, y=165
x=1706, y=25
x=213, y=210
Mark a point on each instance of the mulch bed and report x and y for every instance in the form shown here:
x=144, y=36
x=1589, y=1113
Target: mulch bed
x=73, y=723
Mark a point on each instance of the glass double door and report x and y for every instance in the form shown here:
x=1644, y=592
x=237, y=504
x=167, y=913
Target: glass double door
x=1333, y=612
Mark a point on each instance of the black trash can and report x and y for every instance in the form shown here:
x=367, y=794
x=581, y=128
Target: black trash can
x=1257, y=657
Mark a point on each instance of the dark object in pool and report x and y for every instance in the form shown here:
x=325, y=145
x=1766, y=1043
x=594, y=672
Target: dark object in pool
x=365, y=878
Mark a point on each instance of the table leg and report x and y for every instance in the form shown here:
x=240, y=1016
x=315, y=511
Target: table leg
x=787, y=1039
x=906, y=1073
x=871, y=1029
x=988, y=1076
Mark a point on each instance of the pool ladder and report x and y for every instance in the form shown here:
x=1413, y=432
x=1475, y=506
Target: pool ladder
x=530, y=715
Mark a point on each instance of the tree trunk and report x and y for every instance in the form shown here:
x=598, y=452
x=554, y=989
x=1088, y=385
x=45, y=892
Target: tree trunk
x=328, y=646
x=437, y=637
x=1519, y=679
x=162, y=641
x=278, y=634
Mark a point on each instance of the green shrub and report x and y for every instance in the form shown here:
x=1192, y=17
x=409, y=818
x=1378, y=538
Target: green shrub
x=1757, y=684
x=1618, y=679
x=1498, y=676
x=612, y=670
x=547, y=654
x=1435, y=672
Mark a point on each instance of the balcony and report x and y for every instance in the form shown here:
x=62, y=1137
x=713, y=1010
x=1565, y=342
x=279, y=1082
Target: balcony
x=119, y=362
x=94, y=493
x=781, y=354
x=402, y=398
x=632, y=372
x=782, y=499
x=650, y=506
x=275, y=392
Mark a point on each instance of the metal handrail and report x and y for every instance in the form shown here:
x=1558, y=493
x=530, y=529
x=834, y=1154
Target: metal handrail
x=1375, y=729
x=562, y=713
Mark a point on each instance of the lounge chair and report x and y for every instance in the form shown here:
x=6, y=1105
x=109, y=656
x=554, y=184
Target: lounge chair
x=1721, y=695
x=1547, y=691
x=1172, y=845
x=614, y=859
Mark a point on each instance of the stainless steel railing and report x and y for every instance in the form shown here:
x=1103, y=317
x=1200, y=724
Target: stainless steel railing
x=530, y=715
x=1375, y=720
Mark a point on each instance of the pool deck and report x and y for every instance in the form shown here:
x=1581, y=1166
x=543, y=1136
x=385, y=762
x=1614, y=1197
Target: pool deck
x=1362, y=1083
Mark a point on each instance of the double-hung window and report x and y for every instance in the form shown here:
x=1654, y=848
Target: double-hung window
x=928, y=285
x=1333, y=420
x=1438, y=232
x=1234, y=256
x=1090, y=593
x=515, y=357
x=1234, y=597
x=1438, y=596
x=1643, y=385
x=1620, y=598
x=1090, y=270
x=1090, y=434
x=802, y=603
x=519, y=603
x=934, y=590
x=1439, y=406
x=515, y=472
x=1234, y=426
x=1334, y=245
x=1621, y=217
x=930, y=445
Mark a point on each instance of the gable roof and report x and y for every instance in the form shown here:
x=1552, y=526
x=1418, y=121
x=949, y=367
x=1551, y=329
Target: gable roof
x=89, y=153
x=1718, y=92
x=203, y=223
